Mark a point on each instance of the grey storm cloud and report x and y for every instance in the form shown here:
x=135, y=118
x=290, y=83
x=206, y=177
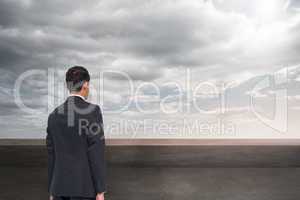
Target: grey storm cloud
x=168, y=33
x=173, y=33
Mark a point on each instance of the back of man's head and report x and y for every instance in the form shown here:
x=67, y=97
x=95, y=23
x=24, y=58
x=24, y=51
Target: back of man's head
x=75, y=78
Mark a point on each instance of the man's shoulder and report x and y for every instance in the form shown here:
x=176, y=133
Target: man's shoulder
x=80, y=107
x=94, y=107
x=88, y=104
x=57, y=109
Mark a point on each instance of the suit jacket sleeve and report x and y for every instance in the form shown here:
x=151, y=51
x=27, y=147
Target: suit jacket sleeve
x=96, y=152
x=51, y=156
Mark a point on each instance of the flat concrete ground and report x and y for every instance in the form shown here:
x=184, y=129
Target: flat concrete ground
x=155, y=182
x=168, y=183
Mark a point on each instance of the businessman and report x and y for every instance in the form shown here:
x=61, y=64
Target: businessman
x=76, y=144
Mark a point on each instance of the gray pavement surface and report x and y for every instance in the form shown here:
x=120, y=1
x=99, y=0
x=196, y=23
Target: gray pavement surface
x=167, y=173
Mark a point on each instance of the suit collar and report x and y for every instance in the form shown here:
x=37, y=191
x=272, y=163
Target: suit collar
x=77, y=95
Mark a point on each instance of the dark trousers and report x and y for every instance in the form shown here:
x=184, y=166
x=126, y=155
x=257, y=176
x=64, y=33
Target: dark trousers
x=73, y=198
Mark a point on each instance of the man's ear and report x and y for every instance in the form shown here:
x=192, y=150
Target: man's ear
x=85, y=85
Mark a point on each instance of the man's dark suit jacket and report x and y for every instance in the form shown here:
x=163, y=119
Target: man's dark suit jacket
x=76, y=147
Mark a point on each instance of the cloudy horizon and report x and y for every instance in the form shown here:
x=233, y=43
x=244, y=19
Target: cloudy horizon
x=177, y=55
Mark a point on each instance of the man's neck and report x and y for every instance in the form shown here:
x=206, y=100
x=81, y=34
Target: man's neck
x=78, y=95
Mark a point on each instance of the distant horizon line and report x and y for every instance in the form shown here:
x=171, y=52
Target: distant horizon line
x=167, y=142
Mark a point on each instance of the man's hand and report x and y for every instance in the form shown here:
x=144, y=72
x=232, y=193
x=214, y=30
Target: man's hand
x=100, y=196
x=51, y=197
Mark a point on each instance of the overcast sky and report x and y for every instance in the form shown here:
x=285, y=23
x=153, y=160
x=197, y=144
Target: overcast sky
x=240, y=45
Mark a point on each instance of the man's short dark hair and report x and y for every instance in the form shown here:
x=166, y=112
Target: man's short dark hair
x=75, y=78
